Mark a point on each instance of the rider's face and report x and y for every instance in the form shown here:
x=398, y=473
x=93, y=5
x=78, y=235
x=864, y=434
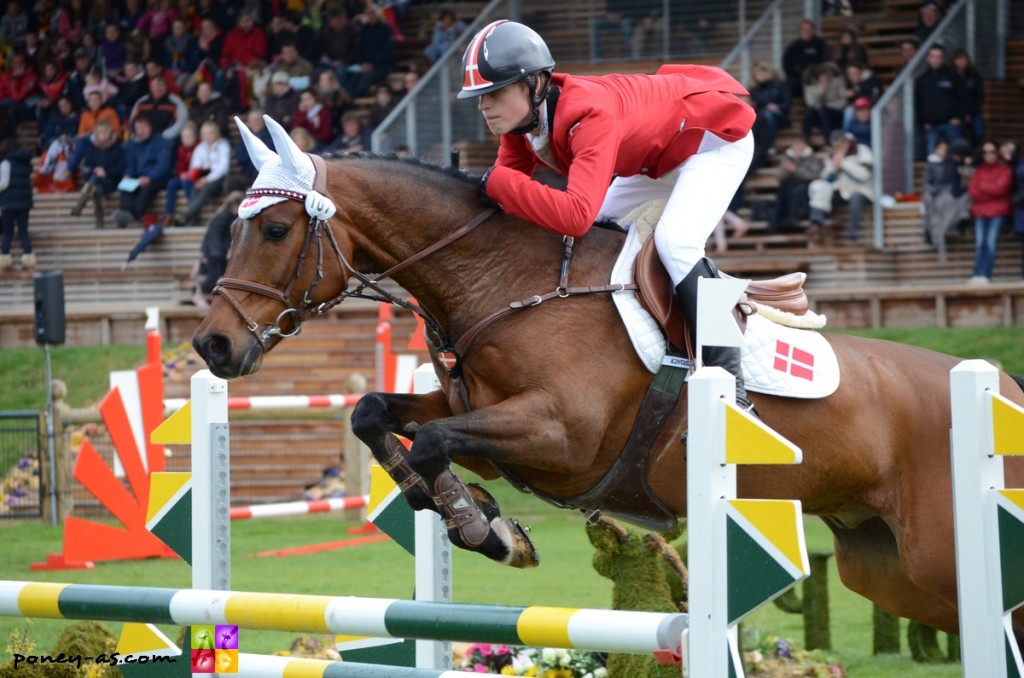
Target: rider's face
x=506, y=109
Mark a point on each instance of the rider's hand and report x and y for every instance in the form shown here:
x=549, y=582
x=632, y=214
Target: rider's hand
x=483, y=189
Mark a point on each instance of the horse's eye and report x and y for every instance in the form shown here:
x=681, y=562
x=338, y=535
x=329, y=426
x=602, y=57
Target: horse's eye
x=275, y=232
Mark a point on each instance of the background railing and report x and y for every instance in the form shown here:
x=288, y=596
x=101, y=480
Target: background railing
x=20, y=465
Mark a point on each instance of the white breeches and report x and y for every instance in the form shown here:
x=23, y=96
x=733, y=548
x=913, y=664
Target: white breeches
x=698, y=193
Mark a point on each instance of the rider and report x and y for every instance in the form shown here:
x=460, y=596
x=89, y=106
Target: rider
x=682, y=135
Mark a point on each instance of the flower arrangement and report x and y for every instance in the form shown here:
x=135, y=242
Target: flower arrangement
x=773, y=656
x=531, y=661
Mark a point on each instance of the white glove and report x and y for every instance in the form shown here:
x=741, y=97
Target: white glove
x=319, y=206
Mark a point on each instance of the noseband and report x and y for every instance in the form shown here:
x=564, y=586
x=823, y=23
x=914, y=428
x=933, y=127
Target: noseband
x=315, y=231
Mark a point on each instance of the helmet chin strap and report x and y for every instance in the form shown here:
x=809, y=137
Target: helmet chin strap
x=535, y=102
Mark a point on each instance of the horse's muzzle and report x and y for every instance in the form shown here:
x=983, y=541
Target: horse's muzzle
x=223, y=358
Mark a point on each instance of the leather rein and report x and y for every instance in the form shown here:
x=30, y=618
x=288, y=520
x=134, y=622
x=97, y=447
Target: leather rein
x=370, y=287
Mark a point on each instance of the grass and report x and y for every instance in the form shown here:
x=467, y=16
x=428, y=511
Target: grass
x=565, y=577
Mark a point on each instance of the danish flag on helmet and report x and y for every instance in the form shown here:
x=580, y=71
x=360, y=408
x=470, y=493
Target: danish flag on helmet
x=501, y=53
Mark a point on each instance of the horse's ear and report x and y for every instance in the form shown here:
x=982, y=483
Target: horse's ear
x=291, y=155
x=258, y=151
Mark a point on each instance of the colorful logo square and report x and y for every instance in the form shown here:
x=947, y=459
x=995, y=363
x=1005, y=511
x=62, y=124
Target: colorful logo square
x=204, y=661
x=203, y=637
x=227, y=661
x=226, y=637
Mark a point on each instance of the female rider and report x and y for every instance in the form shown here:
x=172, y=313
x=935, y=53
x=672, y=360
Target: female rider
x=682, y=135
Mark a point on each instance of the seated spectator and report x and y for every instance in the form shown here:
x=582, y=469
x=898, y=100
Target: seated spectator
x=283, y=100
x=155, y=24
x=278, y=33
x=771, y=99
x=334, y=97
x=209, y=43
x=95, y=82
x=131, y=13
x=846, y=177
x=973, y=85
x=214, y=248
x=100, y=157
x=113, y=54
x=155, y=69
x=299, y=70
x=103, y=13
x=940, y=100
x=94, y=112
x=210, y=105
x=207, y=171
x=824, y=99
x=180, y=175
x=19, y=89
x=243, y=44
x=384, y=102
x=51, y=85
x=860, y=125
x=69, y=21
x=448, y=29
x=14, y=24
x=134, y=87
x=148, y=165
x=991, y=188
x=374, y=56
x=928, y=17
x=338, y=38
x=258, y=74
x=303, y=139
x=254, y=121
x=860, y=83
x=166, y=112
x=850, y=50
x=353, y=138
x=944, y=201
x=180, y=53
x=312, y=116
x=806, y=51
x=798, y=167
x=58, y=138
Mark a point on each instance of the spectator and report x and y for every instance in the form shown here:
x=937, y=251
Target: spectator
x=838, y=7
x=96, y=83
x=278, y=33
x=155, y=24
x=131, y=13
x=334, y=97
x=991, y=188
x=944, y=202
x=298, y=69
x=973, y=93
x=797, y=169
x=353, y=138
x=801, y=54
x=209, y=44
x=771, y=100
x=1016, y=162
x=928, y=17
x=15, y=202
x=70, y=21
x=148, y=165
x=374, y=54
x=166, y=112
x=859, y=127
x=58, y=138
x=850, y=50
x=207, y=171
x=824, y=99
x=180, y=53
x=134, y=87
x=448, y=29
x=101, y=15
x=155, y=69
x=180, y=175
x=101, y=158
x=32, y=48
x=254, y=121
x=94, y=112
x=648, y=29
x=51, y=85
x=258, y=74
x=112, y=52
x=860, y=83
x=14, y=24
x=940, y=100
x=303, y=139
x=846, y=177
x=283, y=100
x=338, y=38
x=384, y=102
x=307, y=37
x=243, y=44
x=312, y=116
x=74, y=86
x=210, y=105
x=214, y=249
x=19, y=89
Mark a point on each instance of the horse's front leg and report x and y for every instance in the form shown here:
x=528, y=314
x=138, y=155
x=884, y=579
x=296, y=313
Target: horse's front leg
x=519, y=431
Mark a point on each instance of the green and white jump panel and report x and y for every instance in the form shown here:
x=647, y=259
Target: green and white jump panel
x=988, y=520
x=740, y=553
x=570, y=628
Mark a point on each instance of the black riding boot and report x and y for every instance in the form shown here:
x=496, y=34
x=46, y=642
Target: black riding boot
x=726, y=357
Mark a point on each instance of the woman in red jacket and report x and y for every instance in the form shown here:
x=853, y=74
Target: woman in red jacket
x=682, y=135
x=990, y=188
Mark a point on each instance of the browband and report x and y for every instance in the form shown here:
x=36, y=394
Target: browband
x=319, y=184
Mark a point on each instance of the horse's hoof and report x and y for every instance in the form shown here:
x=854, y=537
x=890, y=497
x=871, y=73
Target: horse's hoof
x=485, y=501
x=522, y=553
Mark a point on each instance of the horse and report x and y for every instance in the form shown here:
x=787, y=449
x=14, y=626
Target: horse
x=542, y=387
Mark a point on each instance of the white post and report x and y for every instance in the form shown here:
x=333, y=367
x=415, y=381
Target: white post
x=709, y=480
x=433, y=556
x=211, y=522
x=977, y=473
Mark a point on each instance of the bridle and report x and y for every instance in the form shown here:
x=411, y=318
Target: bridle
x=368, y=287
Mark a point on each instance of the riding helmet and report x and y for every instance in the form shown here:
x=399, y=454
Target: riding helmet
x=502, y=53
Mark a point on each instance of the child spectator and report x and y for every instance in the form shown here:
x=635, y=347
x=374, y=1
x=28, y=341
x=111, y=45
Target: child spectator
x=180, y=177
x=15, y=202
x=100, y=156
x=859, y=126
x=991, y=187
x=207, y=171
x=95, y=82
x=312, y=116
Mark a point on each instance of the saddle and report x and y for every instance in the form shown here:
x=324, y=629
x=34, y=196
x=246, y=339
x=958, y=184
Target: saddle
x=657, y=295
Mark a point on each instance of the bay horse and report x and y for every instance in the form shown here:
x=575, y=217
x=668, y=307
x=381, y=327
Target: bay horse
x=552, y=389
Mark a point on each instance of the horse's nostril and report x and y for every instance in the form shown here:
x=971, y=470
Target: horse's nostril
x=216, y=349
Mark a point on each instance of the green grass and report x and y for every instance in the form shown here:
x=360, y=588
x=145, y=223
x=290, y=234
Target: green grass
x=565, y=577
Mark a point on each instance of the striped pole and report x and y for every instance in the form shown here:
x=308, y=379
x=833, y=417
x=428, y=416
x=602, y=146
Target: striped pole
x=570, y=628
x=302, y=402
x=265, y=666
x=294, y=508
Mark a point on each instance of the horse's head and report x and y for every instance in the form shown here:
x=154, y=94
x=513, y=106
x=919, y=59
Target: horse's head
x=278, y=273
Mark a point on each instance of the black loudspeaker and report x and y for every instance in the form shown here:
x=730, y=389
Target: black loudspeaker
x=49, y=298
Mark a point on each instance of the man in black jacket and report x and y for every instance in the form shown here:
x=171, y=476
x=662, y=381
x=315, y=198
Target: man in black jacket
x=808, y=49
x=939, y=100
x=374, y=53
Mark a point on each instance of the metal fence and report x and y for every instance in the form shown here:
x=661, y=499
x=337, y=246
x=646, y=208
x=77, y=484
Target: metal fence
x=20, y=465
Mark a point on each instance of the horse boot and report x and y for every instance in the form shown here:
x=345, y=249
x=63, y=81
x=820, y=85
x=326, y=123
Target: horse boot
x=726, y=357
x=83, y=197
x=412, y=485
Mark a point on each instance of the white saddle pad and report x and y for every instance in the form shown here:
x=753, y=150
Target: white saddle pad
x=777, y=360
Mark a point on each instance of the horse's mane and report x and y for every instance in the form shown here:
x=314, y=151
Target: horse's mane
x=410, y=161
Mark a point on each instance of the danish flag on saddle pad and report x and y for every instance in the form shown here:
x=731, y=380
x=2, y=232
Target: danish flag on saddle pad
x=794, y=361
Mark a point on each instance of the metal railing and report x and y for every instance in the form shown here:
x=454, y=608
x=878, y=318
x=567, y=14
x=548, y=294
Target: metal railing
x=893, y=117
x=20, y=465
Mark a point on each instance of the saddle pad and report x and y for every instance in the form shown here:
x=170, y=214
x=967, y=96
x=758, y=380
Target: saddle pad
x=777, y=360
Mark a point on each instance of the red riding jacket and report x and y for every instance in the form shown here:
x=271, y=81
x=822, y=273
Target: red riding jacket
x=616, y=125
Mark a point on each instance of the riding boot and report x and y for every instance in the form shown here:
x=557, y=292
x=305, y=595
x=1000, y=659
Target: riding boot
x=97, y=211
x=83, y=197
x=726, y=357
